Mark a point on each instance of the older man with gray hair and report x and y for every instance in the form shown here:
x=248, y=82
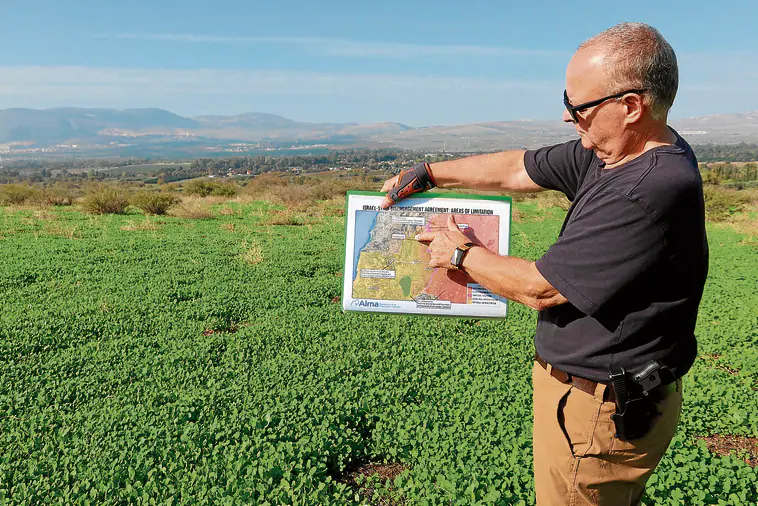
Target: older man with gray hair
x=618, y=292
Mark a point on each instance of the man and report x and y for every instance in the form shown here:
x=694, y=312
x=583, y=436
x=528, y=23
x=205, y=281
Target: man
x=619, y=289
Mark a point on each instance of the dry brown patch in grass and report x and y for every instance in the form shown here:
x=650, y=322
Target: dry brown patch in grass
x=515, y=196
x=251, y=253
x=145, y=224
x=331, y=207
x=244, y=198
x=25, y=207
x=525, y=239
x=725, y=444
x=516, y=215
x=715, y=363
x=62, y=230
x=215, y=200
x=229, y=227
x=45, y=215
x=229, y=211
x=361, y=477
x=550, y=199
x=193, y=209
x=286, y=217
x=227, y=330
x=746, y=222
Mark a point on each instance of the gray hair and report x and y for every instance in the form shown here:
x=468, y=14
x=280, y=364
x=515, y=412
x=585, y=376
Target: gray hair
x=636, y=56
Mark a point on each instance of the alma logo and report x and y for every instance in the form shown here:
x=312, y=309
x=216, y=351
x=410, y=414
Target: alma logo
x=367, y=303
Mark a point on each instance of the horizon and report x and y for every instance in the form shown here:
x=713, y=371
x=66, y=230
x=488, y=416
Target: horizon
x=418, y=64
x=252, y=113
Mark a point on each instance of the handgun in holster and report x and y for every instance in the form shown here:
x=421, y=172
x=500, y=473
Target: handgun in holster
x=636, y=398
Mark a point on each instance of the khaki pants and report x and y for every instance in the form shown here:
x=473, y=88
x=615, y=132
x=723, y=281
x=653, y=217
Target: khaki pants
x=577, y=459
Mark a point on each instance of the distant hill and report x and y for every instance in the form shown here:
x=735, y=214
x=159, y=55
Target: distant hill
x=48, y=127
x=102, y=131
x=65, y=124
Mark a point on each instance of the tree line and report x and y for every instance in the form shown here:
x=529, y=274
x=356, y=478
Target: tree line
x=727, y=170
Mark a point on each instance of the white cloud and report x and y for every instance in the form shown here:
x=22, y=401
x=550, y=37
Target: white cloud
x=345, y=47
x=65, y=81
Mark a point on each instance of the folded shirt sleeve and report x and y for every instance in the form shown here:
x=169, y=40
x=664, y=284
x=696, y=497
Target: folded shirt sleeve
x=603, y=251
x=558, y=167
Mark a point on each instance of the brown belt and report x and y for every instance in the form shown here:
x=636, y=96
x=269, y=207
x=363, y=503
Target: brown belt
x=582, y=384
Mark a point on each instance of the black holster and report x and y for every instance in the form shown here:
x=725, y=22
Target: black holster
x=637, y=393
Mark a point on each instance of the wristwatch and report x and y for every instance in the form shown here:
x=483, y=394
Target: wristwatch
x=459, y=254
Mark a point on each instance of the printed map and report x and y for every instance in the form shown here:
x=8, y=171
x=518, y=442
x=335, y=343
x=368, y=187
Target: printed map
x=391, y=265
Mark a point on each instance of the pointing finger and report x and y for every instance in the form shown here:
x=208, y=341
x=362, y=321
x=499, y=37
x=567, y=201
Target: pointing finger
x=451, y=225
x=425, y=237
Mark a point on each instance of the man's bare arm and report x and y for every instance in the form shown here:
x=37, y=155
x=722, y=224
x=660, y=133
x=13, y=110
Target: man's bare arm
x=513, y=278
x=504, y=171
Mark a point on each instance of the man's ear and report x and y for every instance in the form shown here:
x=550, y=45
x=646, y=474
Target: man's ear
x=635, y=106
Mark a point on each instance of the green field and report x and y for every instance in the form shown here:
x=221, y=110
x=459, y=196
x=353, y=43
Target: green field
x=207, y=361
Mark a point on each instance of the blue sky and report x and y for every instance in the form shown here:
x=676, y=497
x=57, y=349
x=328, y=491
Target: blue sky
x=416, y=62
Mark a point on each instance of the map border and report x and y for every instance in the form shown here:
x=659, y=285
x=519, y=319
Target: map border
x=407, y=308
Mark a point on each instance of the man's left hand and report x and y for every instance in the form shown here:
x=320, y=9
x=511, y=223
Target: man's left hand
x=442, y=244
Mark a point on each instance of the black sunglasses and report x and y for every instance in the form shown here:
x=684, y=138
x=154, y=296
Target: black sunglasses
x=573, y=109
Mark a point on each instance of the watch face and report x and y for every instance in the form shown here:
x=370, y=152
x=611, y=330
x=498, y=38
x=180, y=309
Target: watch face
x=456, y=258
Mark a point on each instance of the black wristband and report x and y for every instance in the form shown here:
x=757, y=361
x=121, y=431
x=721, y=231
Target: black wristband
x=424, y=174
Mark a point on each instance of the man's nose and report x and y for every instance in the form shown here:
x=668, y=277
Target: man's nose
x=567, y=116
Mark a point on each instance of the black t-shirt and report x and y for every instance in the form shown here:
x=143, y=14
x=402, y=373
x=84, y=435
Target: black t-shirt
x=631, y=258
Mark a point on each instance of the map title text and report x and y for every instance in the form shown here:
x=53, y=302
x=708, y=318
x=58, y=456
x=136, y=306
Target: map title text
x=427, y=209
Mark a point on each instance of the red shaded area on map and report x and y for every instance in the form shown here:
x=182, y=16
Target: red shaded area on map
x=482, y=230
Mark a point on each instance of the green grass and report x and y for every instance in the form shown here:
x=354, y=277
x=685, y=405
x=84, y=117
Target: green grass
x=154, y=363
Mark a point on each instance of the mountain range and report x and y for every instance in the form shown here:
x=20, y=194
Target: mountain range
x=103, y=131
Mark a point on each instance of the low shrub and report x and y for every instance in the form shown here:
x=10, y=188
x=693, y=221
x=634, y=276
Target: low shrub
x=329, y=188
x=710, y=177
x=292, y=196
x=193, y=209
x=154, y=203
x=260, y=184
x=58, y=195
x=740, y=185
x=105, y=200
x=17, y=194
x=303, y=193
x=721, y=203
x=205, y=188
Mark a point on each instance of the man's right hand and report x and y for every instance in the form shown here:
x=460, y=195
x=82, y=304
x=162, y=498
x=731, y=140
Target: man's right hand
x=416, y=179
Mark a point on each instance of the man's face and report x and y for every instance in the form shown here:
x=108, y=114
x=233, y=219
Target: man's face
x=600, y=127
